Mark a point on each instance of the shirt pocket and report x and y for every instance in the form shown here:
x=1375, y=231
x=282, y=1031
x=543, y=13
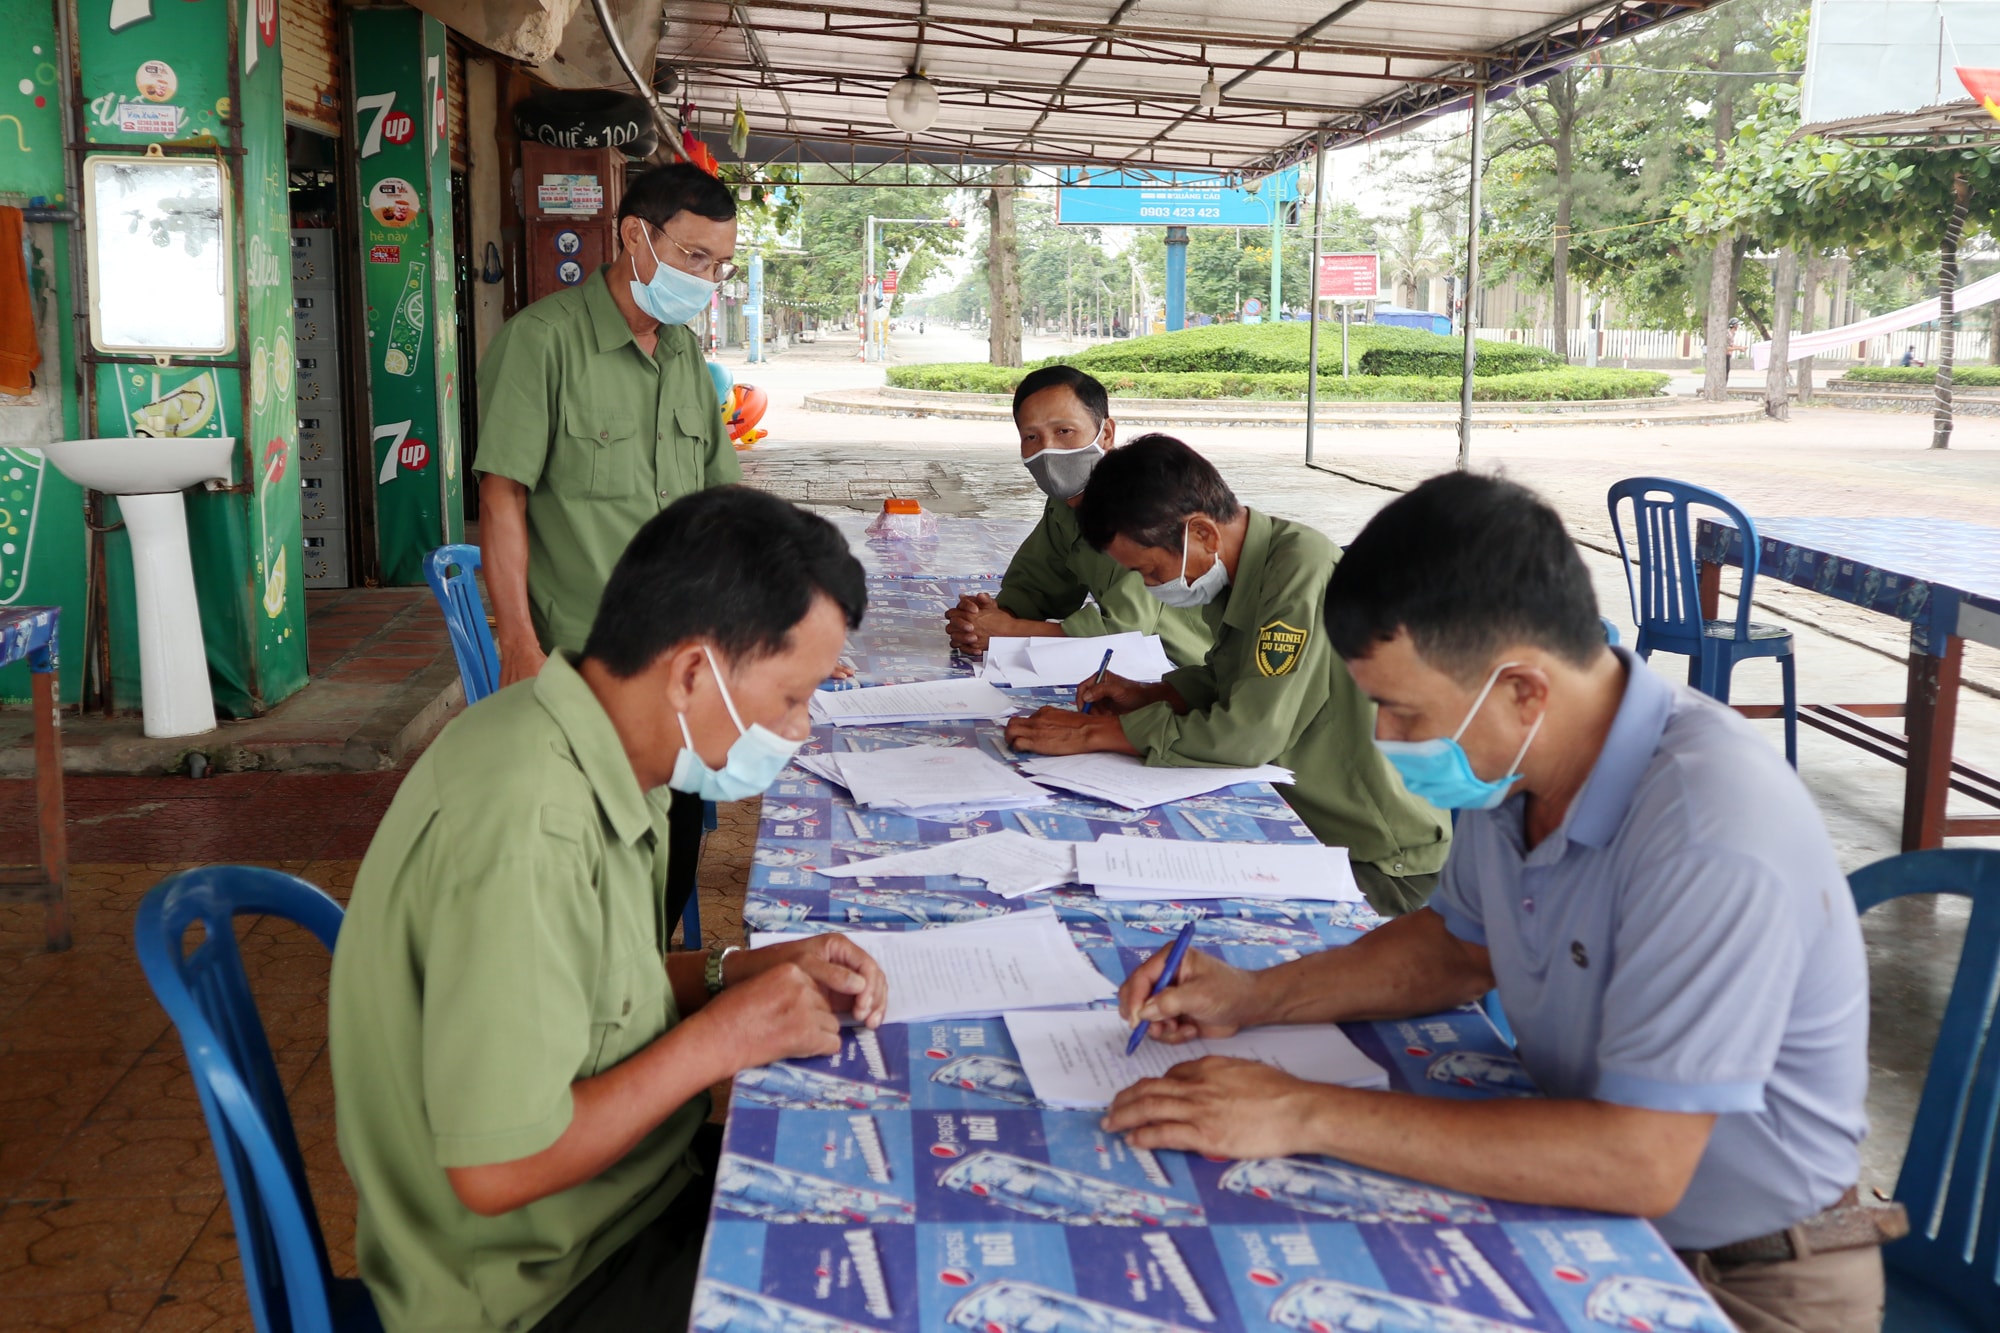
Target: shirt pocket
x=628, y=1011
x=593, y=455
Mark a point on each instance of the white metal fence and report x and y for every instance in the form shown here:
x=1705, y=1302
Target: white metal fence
x=1616, y=346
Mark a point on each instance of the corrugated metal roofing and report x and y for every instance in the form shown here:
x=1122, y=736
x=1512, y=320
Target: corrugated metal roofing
x=1115, y=82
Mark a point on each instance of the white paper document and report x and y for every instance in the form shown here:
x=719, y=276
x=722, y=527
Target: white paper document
x=959, y=699
x=1124, y=780
x=1152, y=868
x=1076, y=1060
x=1053, y=660
x=979, y=969
x=914, y=777
x=1010, y=864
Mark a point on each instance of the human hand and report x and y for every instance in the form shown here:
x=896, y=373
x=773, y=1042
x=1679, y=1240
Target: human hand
x=521, y=658
x=1114, y=694
x=1059, y=731
x=851, y=981
x=1208, y=998
x=779, y=1013
x=1222, y=1108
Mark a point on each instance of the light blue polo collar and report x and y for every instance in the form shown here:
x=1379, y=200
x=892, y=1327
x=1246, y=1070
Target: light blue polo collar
x=1628, y=752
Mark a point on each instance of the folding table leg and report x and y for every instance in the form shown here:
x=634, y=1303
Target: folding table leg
x=54, y=833
x=1931, y=716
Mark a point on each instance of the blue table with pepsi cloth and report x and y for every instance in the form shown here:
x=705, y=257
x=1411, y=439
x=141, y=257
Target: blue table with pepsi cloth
x=912, y=1181
x=1939, y=576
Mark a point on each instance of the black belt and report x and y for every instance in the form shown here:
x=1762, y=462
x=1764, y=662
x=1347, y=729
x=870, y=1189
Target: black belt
x=1848, y=1224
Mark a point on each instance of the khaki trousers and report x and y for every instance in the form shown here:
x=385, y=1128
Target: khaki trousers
x=1840, y=1292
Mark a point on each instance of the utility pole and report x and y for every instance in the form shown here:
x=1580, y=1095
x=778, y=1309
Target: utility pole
x=1472, y=272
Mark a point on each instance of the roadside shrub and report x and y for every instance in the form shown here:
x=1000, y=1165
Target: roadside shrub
x=1568, y=384
x=1271, y=348
x=1965, y=377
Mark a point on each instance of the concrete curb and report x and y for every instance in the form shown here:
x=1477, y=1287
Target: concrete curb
x=919, y=403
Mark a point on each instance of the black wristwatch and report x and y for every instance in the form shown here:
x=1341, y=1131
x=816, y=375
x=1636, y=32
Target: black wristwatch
x=712, y=973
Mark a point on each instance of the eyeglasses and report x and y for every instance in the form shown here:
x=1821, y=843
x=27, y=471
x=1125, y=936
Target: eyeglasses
x=701, y=264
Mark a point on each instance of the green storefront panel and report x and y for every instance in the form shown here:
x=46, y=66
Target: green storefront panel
x=397, y=72
x=42, y=539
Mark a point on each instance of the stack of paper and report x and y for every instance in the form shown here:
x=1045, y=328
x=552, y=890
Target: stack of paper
x=1077, y=1060
x=955, y=700
x=1010, y=864
x=979, y=969
x=1141, y=869
x=950, y=782
x=1065, y=661
x=1124, y=780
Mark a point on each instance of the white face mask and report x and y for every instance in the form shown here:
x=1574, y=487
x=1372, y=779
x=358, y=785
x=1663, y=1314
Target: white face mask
x=1183, y=595
x=753, y=764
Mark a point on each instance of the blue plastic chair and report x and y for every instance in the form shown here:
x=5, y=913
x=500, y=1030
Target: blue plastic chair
x=1945, y=1275
x=1666, y=599
x=452, y=572
x=291, y=1287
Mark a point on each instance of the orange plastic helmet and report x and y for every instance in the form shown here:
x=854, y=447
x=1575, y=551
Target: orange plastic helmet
x=744, y=410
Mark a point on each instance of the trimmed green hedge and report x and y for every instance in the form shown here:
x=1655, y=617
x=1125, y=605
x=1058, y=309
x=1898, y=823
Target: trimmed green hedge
x=1273, y=348
x=1571, y=384
x=1969, y=377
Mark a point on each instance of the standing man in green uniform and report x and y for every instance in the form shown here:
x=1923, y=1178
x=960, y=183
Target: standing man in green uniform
x=1058, y=583
x=520, y=1068
x=596, y=412
x=1271, y=690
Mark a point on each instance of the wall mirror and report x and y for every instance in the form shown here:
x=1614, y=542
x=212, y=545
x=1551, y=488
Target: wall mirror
x=162, y=273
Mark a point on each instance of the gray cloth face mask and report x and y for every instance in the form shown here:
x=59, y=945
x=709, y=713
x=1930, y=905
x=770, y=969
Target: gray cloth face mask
x=1063, y=473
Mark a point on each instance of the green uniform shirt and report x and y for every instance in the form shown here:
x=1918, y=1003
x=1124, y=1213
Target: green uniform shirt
x=504, y=940
x=1056, y=569
x=1273, y=692
x=602, y=435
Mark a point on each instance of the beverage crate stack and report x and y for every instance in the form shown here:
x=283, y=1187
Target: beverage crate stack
x=322, y=434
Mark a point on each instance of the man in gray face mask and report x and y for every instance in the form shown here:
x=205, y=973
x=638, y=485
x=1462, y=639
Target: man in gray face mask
x=1058, y=583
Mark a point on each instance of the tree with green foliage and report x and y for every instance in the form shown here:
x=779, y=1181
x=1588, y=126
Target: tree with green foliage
x=825, y=273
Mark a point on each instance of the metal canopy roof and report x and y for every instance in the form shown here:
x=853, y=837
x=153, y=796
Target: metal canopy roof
x=1114, y=83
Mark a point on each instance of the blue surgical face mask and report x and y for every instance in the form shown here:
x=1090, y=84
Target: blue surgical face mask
x=1439, y=771
x=755, y=758
x=672, y=297
x=1185, y=596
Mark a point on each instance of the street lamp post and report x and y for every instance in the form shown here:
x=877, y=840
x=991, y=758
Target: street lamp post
x=873, y=342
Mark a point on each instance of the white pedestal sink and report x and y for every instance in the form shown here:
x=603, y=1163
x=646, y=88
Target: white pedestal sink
x=147, y=476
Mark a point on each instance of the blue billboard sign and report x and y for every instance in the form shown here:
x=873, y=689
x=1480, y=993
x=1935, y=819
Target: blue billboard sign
x=1170, y=199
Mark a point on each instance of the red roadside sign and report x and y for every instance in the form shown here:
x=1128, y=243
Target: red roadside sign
x=889, y=283
x=1350, y=277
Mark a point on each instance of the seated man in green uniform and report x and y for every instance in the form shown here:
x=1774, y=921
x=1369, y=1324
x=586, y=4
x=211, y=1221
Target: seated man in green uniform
x=520, y=1068
x=1270, y=691
x=1065, y=422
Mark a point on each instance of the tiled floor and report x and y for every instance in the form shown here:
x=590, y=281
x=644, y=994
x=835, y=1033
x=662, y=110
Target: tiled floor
x=113, y=1216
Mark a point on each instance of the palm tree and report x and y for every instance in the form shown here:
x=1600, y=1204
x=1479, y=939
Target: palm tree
x=1413, y=253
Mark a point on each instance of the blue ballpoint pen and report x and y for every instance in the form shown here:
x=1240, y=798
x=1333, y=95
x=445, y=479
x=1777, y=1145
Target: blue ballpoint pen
x=1102, y=667
x=1167, y=975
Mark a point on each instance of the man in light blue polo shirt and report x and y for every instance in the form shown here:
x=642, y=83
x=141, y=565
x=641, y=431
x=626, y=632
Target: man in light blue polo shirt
x=1648, y=885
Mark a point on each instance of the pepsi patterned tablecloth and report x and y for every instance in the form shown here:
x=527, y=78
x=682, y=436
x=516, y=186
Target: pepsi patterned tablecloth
x=912, y=1181
x=1915, y=569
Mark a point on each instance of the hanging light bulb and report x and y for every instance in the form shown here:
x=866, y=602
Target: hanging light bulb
x=1211, y=94
x=913, y=103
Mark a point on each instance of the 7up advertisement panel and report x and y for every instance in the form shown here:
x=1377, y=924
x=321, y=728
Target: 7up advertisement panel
x=407, y=273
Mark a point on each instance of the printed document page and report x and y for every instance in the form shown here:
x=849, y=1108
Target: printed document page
x=979, y=969
x=1148, y=868
x=1077, y=1059
x=913, y=777
x=1068, y=661
x=1124, y=780
x=957, y=699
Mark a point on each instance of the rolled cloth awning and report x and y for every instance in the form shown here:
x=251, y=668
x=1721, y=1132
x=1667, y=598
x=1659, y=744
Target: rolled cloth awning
x=1969, y=297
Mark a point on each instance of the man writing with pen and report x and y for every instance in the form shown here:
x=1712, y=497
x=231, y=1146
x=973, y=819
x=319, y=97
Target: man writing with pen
x=1644, y=880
